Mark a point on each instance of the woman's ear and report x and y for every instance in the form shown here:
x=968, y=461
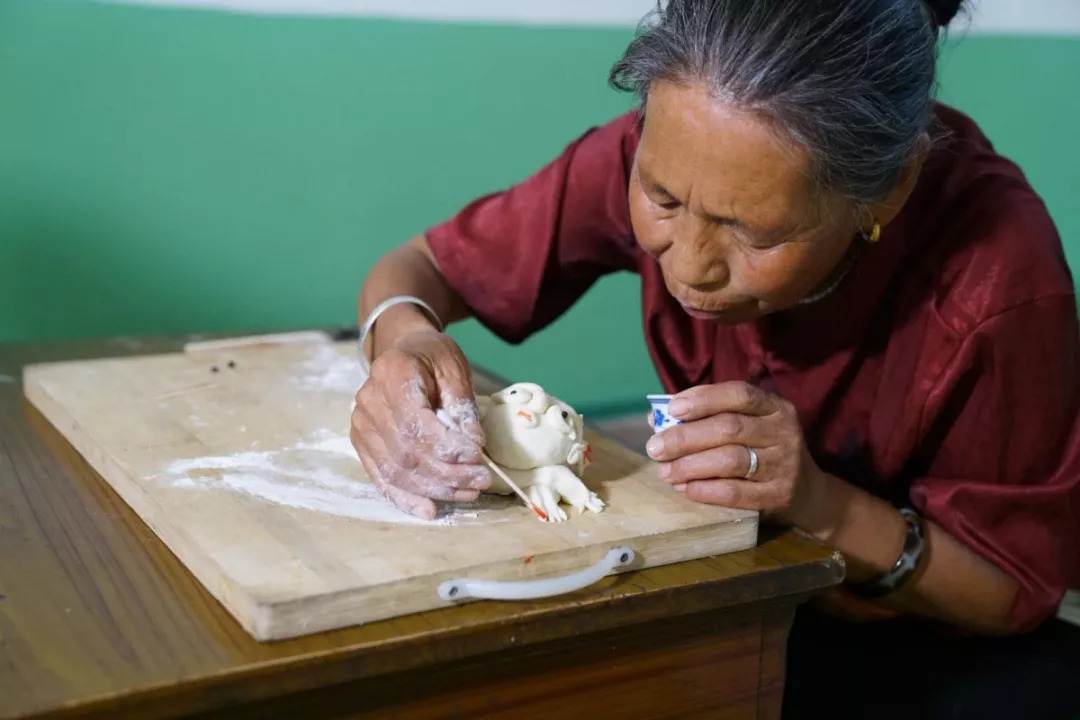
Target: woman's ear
x=885, y=210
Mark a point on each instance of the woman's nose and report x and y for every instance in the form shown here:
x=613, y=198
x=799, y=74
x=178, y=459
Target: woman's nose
x=698, y=256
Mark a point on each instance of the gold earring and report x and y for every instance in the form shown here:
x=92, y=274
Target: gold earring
x=874, y=235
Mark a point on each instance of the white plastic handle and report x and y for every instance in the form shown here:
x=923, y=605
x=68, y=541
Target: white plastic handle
x=462, y=588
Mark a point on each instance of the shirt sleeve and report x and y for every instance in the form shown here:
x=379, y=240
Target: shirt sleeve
x=1003, y=474
x=521, y=257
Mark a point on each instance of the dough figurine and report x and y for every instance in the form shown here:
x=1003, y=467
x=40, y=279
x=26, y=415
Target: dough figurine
x=539, y=441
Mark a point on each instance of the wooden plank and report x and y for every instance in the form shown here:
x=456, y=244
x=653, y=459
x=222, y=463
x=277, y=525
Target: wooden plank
x=238, y=459
x=100, y=619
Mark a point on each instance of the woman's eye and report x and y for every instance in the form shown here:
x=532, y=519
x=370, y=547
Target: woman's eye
x=757, y=242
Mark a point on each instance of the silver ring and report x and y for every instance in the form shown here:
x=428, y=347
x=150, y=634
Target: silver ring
x=753, y=463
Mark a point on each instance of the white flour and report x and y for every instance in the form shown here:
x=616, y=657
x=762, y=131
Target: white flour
x=323, y=475
x=329, y=370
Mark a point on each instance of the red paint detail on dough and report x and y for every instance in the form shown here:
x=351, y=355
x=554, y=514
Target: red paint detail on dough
x=525, y=415
x=588, y=452
x=539, y=512
x=528, y=559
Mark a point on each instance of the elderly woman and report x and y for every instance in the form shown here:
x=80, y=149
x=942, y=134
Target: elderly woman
x=864, y=309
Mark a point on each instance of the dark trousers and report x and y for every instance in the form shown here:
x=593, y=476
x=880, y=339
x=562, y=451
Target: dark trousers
x=902, y=669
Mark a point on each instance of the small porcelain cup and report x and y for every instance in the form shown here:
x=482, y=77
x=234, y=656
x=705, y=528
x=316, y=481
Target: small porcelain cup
x=662, y=420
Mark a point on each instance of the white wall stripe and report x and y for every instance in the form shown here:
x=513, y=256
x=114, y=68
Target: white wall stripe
x=986, y=17
x=618, y=13
x=1020, y=17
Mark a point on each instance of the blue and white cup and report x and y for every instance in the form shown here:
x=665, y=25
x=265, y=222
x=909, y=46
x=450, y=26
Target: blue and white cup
x=661, y=418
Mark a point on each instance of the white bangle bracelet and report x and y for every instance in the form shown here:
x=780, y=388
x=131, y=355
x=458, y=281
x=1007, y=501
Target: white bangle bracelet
x=382, y=307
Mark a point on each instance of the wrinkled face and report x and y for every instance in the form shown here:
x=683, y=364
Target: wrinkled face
x=727, y=209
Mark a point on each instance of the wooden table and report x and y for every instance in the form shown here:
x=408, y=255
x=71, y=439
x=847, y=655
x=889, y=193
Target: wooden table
x=99, y=619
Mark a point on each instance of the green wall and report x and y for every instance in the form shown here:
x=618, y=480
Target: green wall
x=176, y=170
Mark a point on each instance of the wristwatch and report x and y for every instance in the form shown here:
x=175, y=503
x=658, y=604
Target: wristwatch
x=905, y=565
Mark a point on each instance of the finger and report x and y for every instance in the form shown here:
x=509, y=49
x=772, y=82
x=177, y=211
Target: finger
x=422, y=485
x=742, y=494
x=447, y=444
x=464, y=416
x=711, y=432
x=411, y=503
x=457, y=396
x=400, y=450
x=413, y=479
x=417, y=414
x=411, y=393
x=729, y=397
x=400, y=466
x=361, y=433
x=415, y=505
x=457, y=475
x=412, y=455
x=421, y=433
x=426, y=477
x=446, y=383
x=461, y=476
x=726, y=461
x=398, y=434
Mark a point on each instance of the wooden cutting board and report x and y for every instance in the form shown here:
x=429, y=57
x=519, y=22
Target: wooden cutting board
x=238, y=458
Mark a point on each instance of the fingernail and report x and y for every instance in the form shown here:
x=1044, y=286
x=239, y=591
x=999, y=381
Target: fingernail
x=665, y=470
x=655, y=446
x=422, y=510
x=681, y=487
x=679, y=407
x=482, y=481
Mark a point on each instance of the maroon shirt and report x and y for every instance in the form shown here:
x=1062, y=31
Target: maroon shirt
x=944, y=371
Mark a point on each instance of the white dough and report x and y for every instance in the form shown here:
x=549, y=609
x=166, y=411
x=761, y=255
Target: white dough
x=540, y=442
x=527, y=428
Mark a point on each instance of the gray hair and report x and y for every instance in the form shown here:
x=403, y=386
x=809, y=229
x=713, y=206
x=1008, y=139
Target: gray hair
x=851, y=81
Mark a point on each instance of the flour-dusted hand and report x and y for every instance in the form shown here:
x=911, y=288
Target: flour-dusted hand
x=708, y=456
x=414, y=458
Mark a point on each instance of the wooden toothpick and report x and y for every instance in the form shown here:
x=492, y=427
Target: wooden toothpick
x=445, y=419
x=513, y=485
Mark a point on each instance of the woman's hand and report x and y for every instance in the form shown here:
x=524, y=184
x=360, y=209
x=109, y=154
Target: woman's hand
x=707, y=456
x=408, y=453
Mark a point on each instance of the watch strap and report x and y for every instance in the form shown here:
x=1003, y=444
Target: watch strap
x=905, y=566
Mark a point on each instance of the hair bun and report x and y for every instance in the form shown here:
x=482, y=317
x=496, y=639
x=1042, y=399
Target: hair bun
x=944, y=10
